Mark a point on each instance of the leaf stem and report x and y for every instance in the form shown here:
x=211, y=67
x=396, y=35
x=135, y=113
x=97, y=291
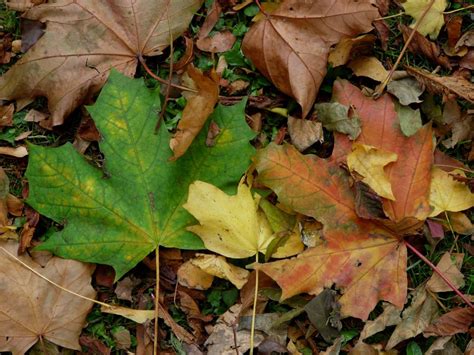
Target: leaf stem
x=440, y=274
x=254, y=309
x=457, y=10
x=156, y=350
x=455, y=243
x=260, y=7
x=379, y=90
x=391, y=16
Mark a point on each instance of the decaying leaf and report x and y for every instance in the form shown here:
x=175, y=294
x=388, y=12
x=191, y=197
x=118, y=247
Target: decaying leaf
x=349, y=48
x=32, y=309
x=407, y=90
x=370, y=162
x=389, y=317
x=415, y=318
x=450, y=266
x=198, y=108
x=335, y=117
x=410, y=119
x=444, y=85
x=447, y=194
x=304, y=133
x=433, y=20
x=368, y=263
x=229, y=225
x=456, y=321
x=83, y=40
x=216, y=265
x=102, y=225
x=290, y=46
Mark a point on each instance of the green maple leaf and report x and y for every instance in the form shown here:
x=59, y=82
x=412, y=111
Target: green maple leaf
x=120, y=213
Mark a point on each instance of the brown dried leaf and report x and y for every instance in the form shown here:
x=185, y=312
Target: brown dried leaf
x=424, y=47
x=369, y=67
x=6, y=115
x=51, y=313
x=304, y=133
x=350, y=48
x=192, y=276
x=22, y=5
x=450, y=264
x=18, y=152
x=456, y=321
x=219, y=42
x=197, y=110
x=83, y=40
x=290, y=46
x=444, y=85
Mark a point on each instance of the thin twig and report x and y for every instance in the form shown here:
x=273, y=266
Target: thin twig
x=260, y=7
x=379, y=90
x=455, y=242
x=457, y=10
x=440, y=274
x=161, y=80
x=391, y=16
x=455, y=168
x=156, y=350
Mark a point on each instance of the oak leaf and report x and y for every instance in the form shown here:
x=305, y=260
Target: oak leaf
x=367, y=261
x=118, y=215
x=290, y=46
x=229, y=225
x=32, y=309
x=83, y=40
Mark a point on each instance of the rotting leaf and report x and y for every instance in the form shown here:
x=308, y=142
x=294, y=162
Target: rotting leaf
x=410, y=120
x=51, y=313
x=118, y=215
x=323, y=312
x=83, y=40
x=290, y=45
x=335, y=117
x=407, y=90
x=456, y=321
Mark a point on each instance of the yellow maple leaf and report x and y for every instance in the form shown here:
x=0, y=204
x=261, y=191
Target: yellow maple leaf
x=369, y=162
x=229, y=225
x=433, y=21
x=447, y=194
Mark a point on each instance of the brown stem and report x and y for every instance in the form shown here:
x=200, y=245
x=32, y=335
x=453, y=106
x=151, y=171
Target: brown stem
x=260, y=7
x=168, y=87
x=440, y=274
x=156, y=349
x=379, y=90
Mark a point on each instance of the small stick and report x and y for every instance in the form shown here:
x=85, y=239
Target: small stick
x=156, y=350
x=379, y=90
x=254, y=309
x=457, y=10
x=168, y=87
x=440, y=274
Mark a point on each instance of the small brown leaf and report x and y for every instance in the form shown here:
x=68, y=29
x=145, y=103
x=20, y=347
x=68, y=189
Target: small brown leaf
x=369, y=67
x=18, y=152
x=449, y=265
x=6, y=115
x=196, y=112
x=456, y=321
x=219, y=42
x=304, y=133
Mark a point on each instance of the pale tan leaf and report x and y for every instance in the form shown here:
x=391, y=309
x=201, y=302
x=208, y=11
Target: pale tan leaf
x=18, y=152
x=83, y=40
x=304, y=133
x=390, y=316
x=450, y=265
x=369, y=67
x=192, y=276
x=32, y=309
x=350, y=48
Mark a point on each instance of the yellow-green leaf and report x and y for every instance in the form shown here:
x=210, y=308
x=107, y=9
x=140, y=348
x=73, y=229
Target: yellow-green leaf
x=447, y=194
x=433, y=20
x=369, y=162
x=229, y=225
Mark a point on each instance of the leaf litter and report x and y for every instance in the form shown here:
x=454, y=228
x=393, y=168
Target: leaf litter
x=356, y=209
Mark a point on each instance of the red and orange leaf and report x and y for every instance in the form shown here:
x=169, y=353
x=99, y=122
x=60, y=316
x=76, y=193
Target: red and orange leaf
x=367, y=261
x=410, y=174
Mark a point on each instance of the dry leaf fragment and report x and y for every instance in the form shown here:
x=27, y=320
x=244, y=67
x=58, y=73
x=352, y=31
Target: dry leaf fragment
x=433, y=20
x=290, y=46
x=229, y=225
x=369, y=67
x=447, y=194
x=192, y=276
x=407, y=90
x=197, y=110
x=335, y=117
x=18, y=152
x=22, y=5
x=456, y=321
x=217, y=265
x=415, y=318
x=449, y=265
x=83, y=40
x=51, y=313
x=448, y=86
x=389, y=317
x=6, y=115
x=304, y=133
x=369, y=162
x=349, y=48
x=35, y=116
x=219, y=42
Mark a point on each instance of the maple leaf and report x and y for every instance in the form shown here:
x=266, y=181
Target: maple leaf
x=118, y=215
x=290, y=46
x=32, y=309
x=229, y=225
x=434, y=19
x=367, y=261
x=410, y=175
x=83, y=40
